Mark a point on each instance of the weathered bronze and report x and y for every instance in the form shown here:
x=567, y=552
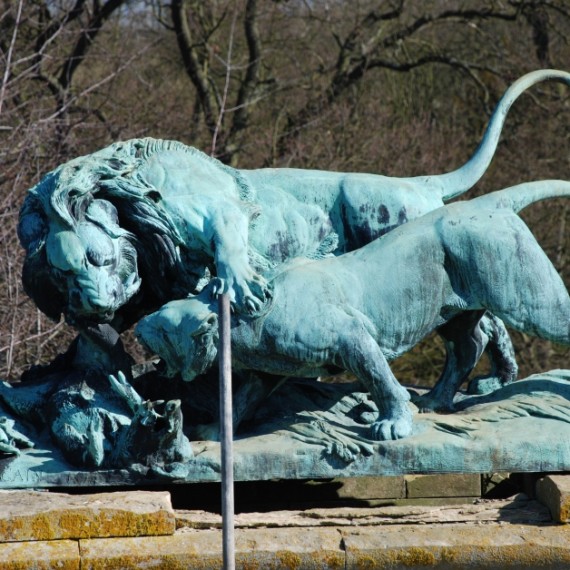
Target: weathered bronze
x=325, y=271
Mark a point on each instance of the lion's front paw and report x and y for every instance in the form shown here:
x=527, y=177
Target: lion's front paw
x=247, y=295
x=399, y=428
x=253, y=295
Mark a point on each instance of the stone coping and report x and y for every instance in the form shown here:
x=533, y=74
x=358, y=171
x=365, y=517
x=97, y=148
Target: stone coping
x=518, y=532
x=516, y=510
x=435, y=545
x=46, y=516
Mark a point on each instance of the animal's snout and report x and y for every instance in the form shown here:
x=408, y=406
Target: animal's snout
x=97, y=303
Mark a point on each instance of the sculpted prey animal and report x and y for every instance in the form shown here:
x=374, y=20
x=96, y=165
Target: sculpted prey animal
x=115, y=234
x=362, y=309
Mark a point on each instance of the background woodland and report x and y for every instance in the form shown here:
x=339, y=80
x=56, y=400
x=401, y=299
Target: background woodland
x=396, y=87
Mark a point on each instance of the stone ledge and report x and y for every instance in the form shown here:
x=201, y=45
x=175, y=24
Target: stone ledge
x=60, y=554
x=458, y=546
x=438, y=546
x=517, y=510
x=29, y=515
x=516, y=533
x=305, y=549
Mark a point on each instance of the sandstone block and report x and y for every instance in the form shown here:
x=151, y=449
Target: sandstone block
x=554, y=492
x=29, y=515
x=371, y=488
x=60, y=554
x=443, y=485
x=439, y=546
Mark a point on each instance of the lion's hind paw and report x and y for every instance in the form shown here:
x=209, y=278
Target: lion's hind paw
x=386, y=430
x=485, y=385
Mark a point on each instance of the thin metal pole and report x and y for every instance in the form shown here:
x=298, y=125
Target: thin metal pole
x=226, y=421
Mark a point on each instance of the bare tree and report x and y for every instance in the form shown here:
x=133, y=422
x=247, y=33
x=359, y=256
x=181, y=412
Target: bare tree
x=313, y=83
x=44, y=100
x=332, y=47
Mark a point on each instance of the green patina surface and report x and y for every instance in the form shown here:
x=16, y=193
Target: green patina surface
x=326, y=271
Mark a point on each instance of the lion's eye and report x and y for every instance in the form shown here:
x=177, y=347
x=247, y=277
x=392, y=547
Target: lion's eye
x=101, y=253
x=102, y=213
x=98, y=258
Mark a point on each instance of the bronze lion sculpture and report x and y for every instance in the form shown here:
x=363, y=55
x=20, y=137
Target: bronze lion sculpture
x=362, y=309
x=112, y=236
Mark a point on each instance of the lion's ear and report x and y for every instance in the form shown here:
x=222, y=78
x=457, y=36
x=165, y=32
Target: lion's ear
x=207, y=325
x=32, y=226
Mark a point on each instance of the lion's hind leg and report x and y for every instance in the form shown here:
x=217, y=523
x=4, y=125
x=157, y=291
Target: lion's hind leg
x=464, y=342
x=501, y=353
x=360, y=354
x=531, y=296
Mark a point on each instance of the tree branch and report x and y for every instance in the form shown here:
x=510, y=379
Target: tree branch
x=88, y=35
x=197, y=73
x=359, y=53
x=250, y=82
x=7, y=72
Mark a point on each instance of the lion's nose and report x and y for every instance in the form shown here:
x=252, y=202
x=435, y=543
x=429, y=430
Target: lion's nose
x=97, y=304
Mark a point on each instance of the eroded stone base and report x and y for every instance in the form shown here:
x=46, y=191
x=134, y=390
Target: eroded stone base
x=511, y=533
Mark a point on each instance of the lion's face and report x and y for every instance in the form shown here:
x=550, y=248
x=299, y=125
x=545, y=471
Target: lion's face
x=184, y=334
x=93, y=266
x=81, y=262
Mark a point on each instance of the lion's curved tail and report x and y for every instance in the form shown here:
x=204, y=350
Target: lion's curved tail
x=454, y=183
x=522, y=195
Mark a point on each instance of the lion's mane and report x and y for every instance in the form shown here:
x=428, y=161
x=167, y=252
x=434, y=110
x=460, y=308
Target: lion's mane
x=113, y=174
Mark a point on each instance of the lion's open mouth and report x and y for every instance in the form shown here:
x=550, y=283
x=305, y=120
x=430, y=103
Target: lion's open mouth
x=82, y=321
x=86, y=304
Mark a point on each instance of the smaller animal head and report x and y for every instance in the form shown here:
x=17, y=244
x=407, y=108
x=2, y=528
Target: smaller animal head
x=184, y=334
x=156, y=434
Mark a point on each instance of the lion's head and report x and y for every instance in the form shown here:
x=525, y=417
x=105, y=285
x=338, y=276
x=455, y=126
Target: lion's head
x=99, y=244
x=85, y=266
x=184, y=333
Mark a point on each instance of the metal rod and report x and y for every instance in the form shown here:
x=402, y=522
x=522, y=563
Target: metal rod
x=225, y=356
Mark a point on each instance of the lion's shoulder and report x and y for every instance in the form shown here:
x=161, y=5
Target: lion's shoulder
x=132, y=157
